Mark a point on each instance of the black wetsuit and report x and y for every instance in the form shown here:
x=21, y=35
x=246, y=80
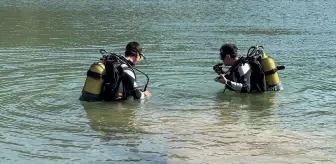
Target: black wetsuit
x=240, y=80
x=129, y=83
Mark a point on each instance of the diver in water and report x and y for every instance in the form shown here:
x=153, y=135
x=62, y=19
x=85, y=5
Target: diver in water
x=254, y=73
x=113, y=77
x=133, y=54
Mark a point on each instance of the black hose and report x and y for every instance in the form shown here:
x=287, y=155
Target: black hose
x=146, y=77
x=251, y=51
x=102, y=51
x=125, y=61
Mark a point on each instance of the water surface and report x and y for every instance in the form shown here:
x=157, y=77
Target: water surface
x=47, y=47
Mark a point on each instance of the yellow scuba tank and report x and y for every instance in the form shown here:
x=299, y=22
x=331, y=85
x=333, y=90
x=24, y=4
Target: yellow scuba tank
x=94, y=80
x=270, y=70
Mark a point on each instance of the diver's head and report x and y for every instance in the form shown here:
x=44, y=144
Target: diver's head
x=133, y=52
x=228, y=54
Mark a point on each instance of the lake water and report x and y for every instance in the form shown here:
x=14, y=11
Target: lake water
x=46, y=48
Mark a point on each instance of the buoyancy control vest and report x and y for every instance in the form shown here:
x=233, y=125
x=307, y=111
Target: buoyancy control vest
x=258, y=81
x=104, y=79
x=265, y=66
x=113, y=88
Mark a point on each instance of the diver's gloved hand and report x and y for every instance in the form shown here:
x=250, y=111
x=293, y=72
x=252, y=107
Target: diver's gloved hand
x=218, y=68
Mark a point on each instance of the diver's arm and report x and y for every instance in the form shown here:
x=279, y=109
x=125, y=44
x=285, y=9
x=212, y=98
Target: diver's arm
x=131, y=85
x=244, y=85
x=239, y=87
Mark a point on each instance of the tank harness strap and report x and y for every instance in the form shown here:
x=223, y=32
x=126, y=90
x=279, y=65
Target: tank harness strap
x=94, y=75
x=270, y=72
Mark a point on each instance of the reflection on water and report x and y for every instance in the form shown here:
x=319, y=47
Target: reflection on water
x=119, y=130
x=257, y=108
x=256, y=101
x=112, y=120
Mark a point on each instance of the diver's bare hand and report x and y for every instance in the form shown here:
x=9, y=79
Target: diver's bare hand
x=222, y=79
